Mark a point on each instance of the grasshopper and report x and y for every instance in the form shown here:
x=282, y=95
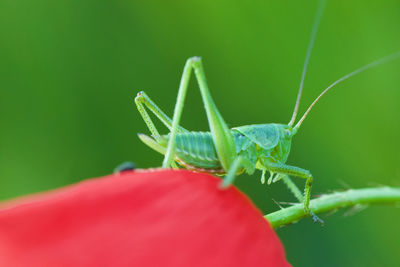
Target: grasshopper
x=229, y=152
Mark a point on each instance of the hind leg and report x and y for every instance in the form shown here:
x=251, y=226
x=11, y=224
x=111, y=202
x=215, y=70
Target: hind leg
x=222, y=137
x=142, y=100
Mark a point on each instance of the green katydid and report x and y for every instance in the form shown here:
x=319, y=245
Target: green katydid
x=229, y=152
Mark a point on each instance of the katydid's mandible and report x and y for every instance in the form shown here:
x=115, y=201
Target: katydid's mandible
x=229, y=152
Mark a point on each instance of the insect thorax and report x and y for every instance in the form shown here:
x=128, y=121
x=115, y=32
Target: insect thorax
x=262, y=143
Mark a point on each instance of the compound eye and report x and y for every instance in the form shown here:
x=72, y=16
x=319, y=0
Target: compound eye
x=287, y=132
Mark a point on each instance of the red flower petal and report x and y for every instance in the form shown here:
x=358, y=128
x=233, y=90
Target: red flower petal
x=152, y=218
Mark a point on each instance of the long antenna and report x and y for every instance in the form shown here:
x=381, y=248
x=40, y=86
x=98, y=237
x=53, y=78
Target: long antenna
x=317, y=20
x=345, y=77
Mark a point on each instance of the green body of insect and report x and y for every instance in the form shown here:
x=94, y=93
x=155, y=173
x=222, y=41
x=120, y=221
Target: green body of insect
x=230, y=152
x=259, y=145
x=222, y=151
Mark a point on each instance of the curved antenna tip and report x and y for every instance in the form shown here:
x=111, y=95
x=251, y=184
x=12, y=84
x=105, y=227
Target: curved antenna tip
x=372, y=64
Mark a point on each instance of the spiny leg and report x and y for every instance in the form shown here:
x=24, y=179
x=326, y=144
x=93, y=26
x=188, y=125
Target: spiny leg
x=145, y=116
x=302, y=173
x=275, y=177
x=223, y=139
x=292, y=187
x=142, y=100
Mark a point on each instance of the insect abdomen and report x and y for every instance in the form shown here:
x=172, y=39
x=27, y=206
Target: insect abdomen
x=196, y=150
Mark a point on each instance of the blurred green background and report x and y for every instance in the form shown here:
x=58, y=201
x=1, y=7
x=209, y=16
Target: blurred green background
x=69, y=71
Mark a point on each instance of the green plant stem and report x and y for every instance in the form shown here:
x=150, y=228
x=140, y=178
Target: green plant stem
x=352, y=197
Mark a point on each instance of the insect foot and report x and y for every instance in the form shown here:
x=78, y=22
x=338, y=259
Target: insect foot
x=314, y=217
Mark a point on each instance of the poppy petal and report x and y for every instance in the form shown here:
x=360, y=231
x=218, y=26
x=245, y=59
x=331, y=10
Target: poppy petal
x=138, y=218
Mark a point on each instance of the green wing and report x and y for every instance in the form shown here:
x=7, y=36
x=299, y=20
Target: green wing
x=264, y=135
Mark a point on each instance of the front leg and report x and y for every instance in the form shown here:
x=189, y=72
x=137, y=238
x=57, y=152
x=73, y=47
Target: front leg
x=299, y=172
